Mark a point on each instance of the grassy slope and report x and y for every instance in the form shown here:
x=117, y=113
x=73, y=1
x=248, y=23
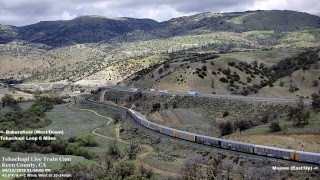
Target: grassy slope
x=182, y=78
x=277, y=20
x=305, y=138
x=302, y=78
x=65, y=118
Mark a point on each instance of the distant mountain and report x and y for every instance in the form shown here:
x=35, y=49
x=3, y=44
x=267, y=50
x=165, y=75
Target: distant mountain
x=277, y=20
x=93, y=29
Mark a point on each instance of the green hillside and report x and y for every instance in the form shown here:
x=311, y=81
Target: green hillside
x=277, y=21
x=93, y=29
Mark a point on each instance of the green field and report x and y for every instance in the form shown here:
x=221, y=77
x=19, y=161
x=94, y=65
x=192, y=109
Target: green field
x=73, y=122
x=159, y=162
x=76, y=122
x=108, y=130
x=312, y=128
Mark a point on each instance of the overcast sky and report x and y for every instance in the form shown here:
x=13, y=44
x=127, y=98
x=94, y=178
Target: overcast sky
x=24, y=12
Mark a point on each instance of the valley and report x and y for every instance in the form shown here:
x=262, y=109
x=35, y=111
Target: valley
x=256, y=74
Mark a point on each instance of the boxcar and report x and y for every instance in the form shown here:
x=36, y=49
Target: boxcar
x=237, y=146
x=185, y=135
x=274, y=152
x=167, y=131
x=307, y=157
x=154, y=126
x=135, y=116
x=207, y=140
x=144, y=122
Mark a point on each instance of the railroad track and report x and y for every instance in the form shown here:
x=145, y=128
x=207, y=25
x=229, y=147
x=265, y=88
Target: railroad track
x=122, y=111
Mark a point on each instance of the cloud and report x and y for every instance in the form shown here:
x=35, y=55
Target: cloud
x=22, y=12
x=310, y=6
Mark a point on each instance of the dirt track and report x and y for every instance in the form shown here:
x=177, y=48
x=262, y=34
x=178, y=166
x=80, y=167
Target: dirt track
x=140, y=157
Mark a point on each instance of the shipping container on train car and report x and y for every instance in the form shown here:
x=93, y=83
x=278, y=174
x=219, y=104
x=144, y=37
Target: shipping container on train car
x=167, y=131
x=154, y=126
x=237, y=146
x=144, y=122
x=133, y=115
x=134, y=89
x=163, y=91
x=207, y=140
x=137, y=118
x=274, y=152
x=307, y=157
x=193, y=93
x=185, y=135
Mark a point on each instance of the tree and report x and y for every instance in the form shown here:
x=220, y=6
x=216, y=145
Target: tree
x=122, y=169
x=226, y=128
x=298, y=113
x=293, y=88
x=160, y=71
x=132, y=150
x=204, y=68
x=137, y=95
x=174, y=105
x=315, y=100
x=8, y=100
x=281, y=83
x=87, y=140
x=21, y=99
x=114, y=149
x=156, y=107
x=117, y=117
x=213, y=167
x=275, y=127
x=315, y=83
x=166, y=65
x=244, y=125
x=191, y=169
x=166, y=106
x=226, y=113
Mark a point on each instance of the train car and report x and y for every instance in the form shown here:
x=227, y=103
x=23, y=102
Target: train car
x=154, y=126
x=193, y=93
x=207, y=140
x=163, y=91
x=138, y=118
x=144, y=122
x=167, y=131
x=307, y=157
x=237, y=146
x=185, y=135
x=132, y=114
x=274, y=152
x=135, y=116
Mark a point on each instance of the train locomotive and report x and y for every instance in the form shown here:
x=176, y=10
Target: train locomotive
x=300, y=156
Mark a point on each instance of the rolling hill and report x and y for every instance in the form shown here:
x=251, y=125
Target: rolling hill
x=93, y=29
x=101, y=50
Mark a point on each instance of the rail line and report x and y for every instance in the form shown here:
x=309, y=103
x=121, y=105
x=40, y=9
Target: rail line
x=141, y=157
x=123, y=112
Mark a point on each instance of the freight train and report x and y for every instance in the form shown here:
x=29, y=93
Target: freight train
x=274, y=152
